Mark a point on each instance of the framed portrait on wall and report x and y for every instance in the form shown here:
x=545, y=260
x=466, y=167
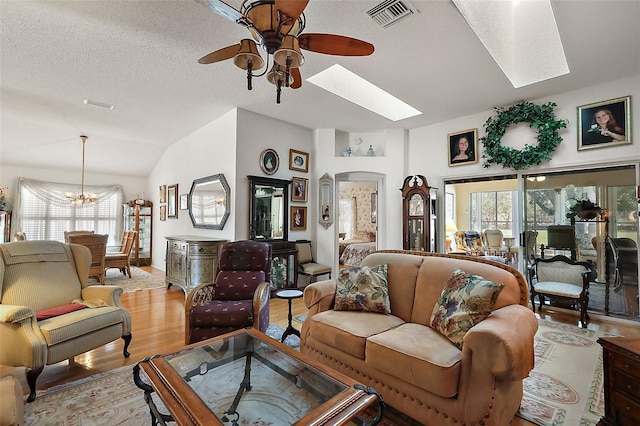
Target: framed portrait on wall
x=463, y=147
x=269, y=161
x=604, y=124
x=298, y=218
x=163, y=193
x=299, y=189
x=298, y=161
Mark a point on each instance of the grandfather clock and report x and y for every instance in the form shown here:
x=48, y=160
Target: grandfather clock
x=418, y=214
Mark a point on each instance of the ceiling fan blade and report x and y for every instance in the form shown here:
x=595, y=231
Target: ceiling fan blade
x=223, y=9
x=292, y=8
x=333, y=44
x=220, y=54
x=297, y=78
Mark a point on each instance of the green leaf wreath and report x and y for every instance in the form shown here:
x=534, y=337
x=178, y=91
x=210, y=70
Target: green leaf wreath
x=540, y=117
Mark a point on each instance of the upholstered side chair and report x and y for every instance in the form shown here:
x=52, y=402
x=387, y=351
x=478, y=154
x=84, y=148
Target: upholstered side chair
x=492, y=240
x=307, y=266
x=562, y=278
x=239, y=296
x=48, y=310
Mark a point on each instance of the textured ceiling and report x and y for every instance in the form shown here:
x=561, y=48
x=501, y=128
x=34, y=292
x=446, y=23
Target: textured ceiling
x=142, y=57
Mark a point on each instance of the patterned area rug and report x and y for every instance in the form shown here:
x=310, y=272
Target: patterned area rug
x=566, y=385
x=140, y=280
x=112, y=398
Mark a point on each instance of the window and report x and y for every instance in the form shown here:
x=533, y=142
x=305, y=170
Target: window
x=43, y=213
x=494, y=210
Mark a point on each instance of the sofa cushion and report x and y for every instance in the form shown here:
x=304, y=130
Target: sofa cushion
x=416, y=354
x=74, y=324
x=348, y=331
x=363, y=288
x=466, y=300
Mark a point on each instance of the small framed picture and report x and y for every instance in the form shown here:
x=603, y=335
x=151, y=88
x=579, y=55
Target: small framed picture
x=163, y=193
x=184, y=201
x=604, y=124
x=163, y=213
x=463, y=147
x=299, y=189
x=298, y=161
x=172, y=201
x=298, y=218
x=269, y=161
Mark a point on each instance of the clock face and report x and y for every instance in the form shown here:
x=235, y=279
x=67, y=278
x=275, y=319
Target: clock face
x=416, y=206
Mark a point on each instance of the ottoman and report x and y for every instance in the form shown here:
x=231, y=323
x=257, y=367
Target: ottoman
x=11, y=402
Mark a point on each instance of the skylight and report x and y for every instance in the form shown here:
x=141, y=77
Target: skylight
x=521, y=36
x=350, y=86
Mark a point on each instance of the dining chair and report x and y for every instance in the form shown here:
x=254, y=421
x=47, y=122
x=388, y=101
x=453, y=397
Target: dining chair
x=307, y=266
x=121, y=258
x=67, y=233
x=97, y=244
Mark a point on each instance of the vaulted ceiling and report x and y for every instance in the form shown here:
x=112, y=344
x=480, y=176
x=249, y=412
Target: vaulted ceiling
x=141, y=56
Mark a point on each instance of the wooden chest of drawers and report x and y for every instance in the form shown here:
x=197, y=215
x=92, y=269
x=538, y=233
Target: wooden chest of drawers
x=191, y=260
x=621, y=358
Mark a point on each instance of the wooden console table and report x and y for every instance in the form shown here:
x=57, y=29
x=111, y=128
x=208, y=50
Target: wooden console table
x=621, y=361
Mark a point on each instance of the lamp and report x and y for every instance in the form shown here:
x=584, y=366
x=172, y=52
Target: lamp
x=450, y=228
x=82, y=198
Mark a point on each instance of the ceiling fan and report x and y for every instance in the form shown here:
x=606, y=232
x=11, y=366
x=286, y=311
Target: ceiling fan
x=277, y=25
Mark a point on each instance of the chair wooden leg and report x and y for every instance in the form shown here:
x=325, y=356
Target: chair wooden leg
x=127, y=340
x=32, y=377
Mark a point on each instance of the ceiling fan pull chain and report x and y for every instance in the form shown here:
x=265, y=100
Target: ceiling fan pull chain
x=287, y=73
x=249, y=68
x=278, y=90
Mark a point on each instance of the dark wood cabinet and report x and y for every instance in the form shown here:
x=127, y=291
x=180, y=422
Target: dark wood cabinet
x=621, y=362
x=418, y=215
x=284, y=265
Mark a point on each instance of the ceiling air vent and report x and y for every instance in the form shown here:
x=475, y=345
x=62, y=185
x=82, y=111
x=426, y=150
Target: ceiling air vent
x=389, y=12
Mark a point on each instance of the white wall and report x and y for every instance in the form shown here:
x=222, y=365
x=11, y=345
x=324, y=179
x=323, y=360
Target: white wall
x=132, y=185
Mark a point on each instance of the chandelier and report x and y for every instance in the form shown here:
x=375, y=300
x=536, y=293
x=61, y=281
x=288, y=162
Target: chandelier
x=82, y=198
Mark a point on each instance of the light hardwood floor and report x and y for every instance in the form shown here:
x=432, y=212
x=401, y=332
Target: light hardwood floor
x=158, y=327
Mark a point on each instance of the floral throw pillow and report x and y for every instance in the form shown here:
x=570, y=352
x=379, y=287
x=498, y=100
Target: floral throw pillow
x=363, y=288
x=466, y=300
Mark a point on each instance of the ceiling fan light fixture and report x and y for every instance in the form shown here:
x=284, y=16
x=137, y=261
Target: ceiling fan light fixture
x=276, y=73
x=248, y=54
x=289, y=49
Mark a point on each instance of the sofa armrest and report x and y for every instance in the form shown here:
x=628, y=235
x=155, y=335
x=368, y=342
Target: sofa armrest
x=110, y=294
x=503, y=342
x=320, y=296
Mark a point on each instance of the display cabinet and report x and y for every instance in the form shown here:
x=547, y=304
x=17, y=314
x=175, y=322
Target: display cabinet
x=419, y=218
x=191, y=260
x=5, y=226
x=137, y=217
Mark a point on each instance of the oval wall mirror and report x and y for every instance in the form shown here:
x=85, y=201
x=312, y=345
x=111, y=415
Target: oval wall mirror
x=209, y=202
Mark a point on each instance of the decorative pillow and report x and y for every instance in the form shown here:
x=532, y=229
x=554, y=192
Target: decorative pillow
x=466, y=300
x=363, y=288
x=58, y=310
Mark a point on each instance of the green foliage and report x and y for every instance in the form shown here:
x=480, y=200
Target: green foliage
x=539, y=117
x=576, y=206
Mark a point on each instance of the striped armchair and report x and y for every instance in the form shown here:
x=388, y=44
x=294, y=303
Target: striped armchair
x=48, y=311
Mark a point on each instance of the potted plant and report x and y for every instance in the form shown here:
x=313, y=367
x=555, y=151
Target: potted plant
x=585, y=209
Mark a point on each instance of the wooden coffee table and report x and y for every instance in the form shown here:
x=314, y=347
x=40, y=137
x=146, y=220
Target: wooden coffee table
x=228, y=379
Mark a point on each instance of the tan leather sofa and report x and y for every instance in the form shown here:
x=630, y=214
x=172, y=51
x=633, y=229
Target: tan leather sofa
x=48, y=278
x=11, y=401
x=416, y=369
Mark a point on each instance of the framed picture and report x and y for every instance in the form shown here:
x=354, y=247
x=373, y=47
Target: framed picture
x=299, y=189
x=163, y=193
x=269, y=161
x=298, y=218
x=604, y=124
x=163, y=213
x=298, y=161
x=172, y=201
x=463, y=147
x=184, y=201
x=374, y=207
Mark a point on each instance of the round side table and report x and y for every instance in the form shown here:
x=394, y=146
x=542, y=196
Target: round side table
x=289, y=294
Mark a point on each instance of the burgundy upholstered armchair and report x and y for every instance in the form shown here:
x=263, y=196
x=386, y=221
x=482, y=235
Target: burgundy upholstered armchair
x=238, y=298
